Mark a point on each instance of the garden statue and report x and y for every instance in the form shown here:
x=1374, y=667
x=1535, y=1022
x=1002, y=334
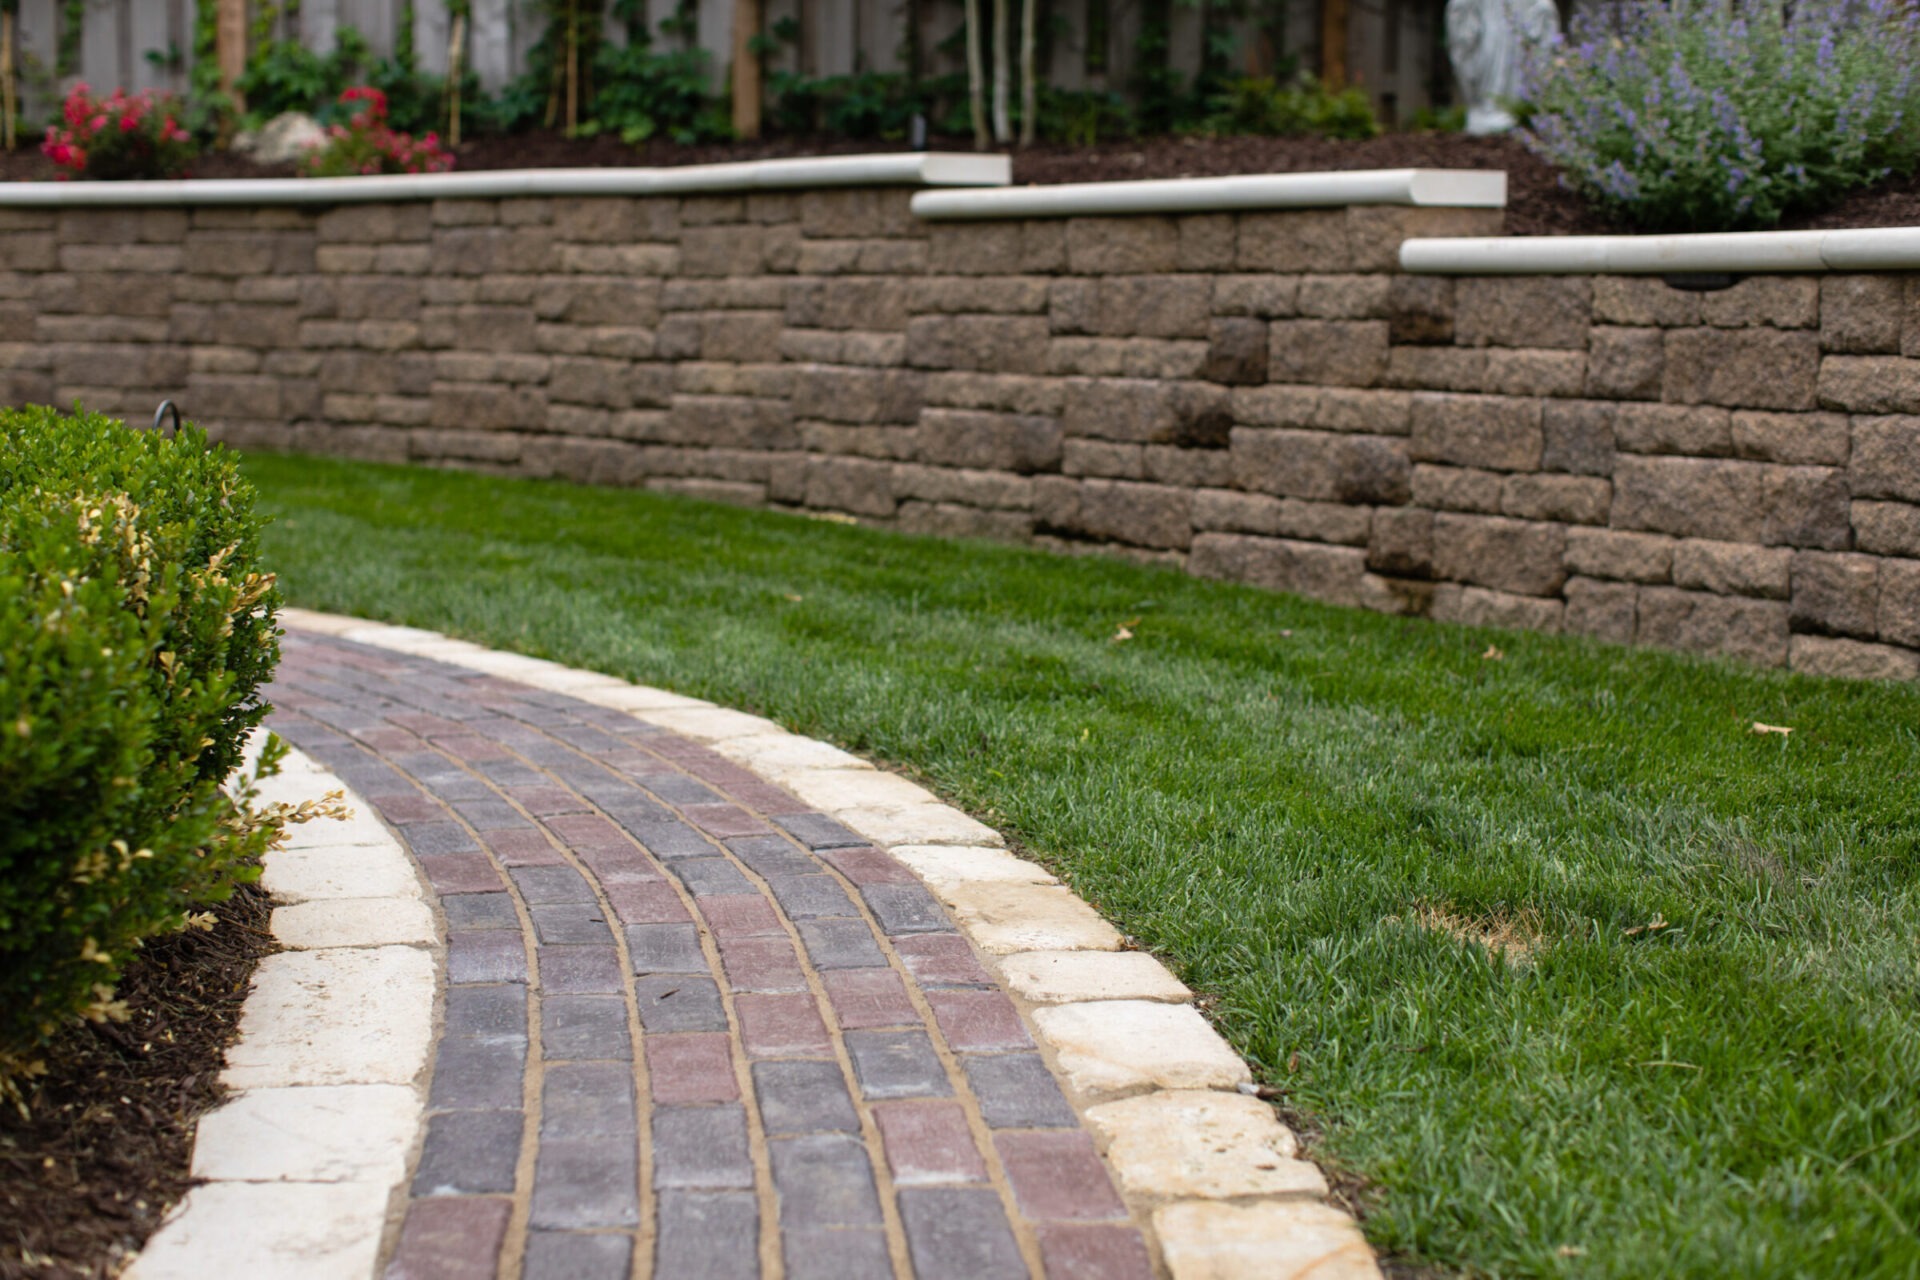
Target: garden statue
x=1488, y=41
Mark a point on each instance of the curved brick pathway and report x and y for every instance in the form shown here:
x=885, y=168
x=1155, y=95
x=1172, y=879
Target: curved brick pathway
x=691, y=1028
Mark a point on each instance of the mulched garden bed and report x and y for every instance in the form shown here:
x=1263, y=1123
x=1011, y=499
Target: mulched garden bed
x=87, y=1179
x=1536, y=203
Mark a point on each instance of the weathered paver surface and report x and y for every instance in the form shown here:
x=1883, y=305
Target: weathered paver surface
x=692, y=1028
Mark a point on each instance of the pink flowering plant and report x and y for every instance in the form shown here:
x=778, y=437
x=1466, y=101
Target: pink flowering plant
x=367, y=144
x=123, y=136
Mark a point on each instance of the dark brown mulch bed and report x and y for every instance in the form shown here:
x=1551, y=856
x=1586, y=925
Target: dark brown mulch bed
x=88, y=1178
x=1536, y=203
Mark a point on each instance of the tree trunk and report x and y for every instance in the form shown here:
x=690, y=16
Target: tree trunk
x=7, y=109
x=1333, y=44
x=1029, y=91
x=1002, y=73
x=456, y=44
x=230, y=40
x=746, y=69
x=975, y=77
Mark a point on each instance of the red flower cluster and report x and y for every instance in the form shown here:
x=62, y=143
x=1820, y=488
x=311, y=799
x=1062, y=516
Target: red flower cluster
x=367, y=144
x=121, y=136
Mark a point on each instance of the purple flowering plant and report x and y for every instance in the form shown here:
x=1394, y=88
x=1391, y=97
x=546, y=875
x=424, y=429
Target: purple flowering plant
x=1725, y=115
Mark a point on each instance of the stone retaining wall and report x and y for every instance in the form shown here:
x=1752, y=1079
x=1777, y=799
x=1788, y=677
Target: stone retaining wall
x=1261, y=396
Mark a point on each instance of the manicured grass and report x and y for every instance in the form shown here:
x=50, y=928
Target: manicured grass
x=1706, y=1064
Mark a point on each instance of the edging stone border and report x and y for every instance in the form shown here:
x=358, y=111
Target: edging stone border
x=1210, y=1167
x=328, y=1072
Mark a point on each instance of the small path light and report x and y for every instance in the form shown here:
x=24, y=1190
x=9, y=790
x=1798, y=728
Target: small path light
x=167, y=408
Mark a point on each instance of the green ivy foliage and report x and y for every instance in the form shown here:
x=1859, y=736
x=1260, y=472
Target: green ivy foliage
x=1262, y=105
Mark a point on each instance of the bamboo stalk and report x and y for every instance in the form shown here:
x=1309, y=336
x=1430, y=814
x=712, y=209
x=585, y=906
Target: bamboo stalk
x=573, y=67
x=1029, y=91
x=1002, y=72
x=457, y=37
x=9, y=110
x=975, y=75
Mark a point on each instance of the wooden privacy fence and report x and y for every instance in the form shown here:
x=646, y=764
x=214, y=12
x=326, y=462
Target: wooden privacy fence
x=143, y=44
x=1389, y=45
x=148, y=44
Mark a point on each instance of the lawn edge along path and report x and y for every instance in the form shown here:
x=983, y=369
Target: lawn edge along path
x=1208, y=1169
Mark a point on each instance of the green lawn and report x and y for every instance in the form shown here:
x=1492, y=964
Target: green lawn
x=1707, y=1061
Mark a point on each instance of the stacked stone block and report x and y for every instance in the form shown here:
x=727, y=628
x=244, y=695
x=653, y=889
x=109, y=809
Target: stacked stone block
x=1260, y=397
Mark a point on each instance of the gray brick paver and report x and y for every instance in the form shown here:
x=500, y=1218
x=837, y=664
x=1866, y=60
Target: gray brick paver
x=578, y=1255
x=495, y=1014
x=570, y=922
x=678, y=788
x=702, y=1147
x=440, y=837
x=665, y=948
x=472, y=1072
x=469, y=1153
x=459, y=787
x=818, y=831
x=486, y=955
x=905, y=908
x=579, y=969
x=711, y=877
x=1017, y=1091
x=824, y=1180
x=480, y=911
x=586, y=1100
x=675, y=1003
x=771, y=856
x=803, y=1097
x=708, y=1235
x=490, y=815
x=836, y=1253
x=897, y=1064
x=957, y=1233
x=665, y=838
x=540, y=886
x=840, y=944
x=811, y=897
x=579, y=1027
x=587, y=1182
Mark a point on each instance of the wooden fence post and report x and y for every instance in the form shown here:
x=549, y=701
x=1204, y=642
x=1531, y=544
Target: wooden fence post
x=231, y=43
x=746, y=69
x=1333, y=44
x=456, y=46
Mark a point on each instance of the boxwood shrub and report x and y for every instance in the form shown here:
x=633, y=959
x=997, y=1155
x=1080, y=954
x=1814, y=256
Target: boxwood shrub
x=136, y=633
